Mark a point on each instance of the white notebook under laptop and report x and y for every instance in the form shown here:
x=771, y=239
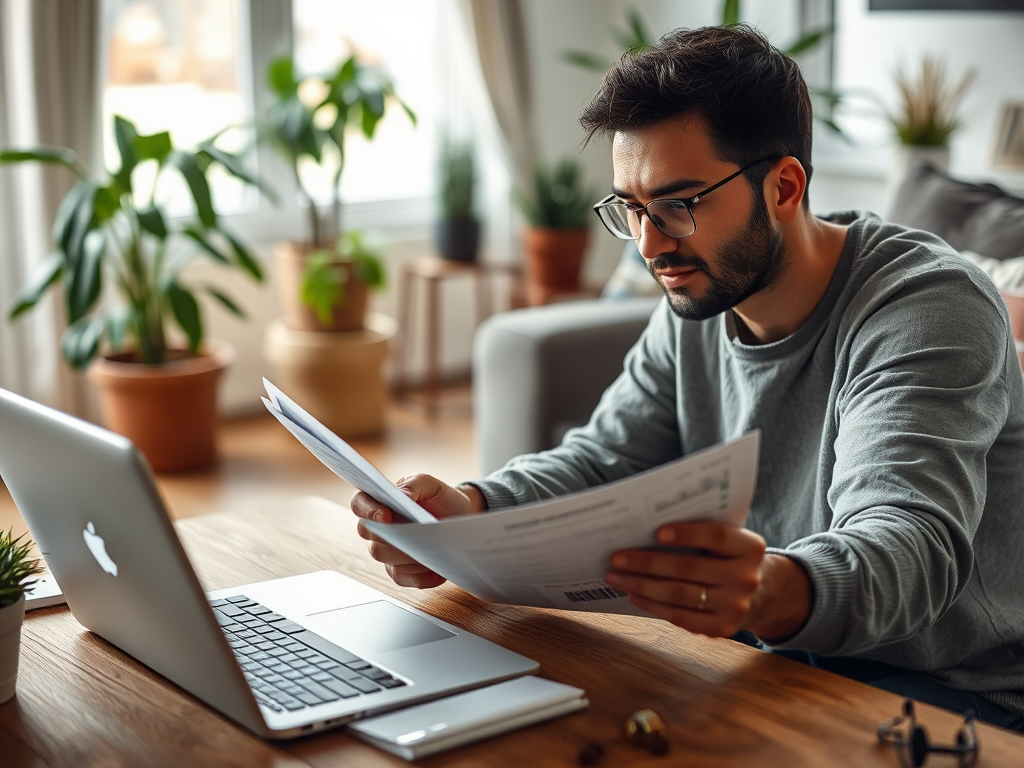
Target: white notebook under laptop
x=283, y=657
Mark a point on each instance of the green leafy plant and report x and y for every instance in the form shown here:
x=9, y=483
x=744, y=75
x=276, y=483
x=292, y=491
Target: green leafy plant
x=108, y=228
x=929, y=107
x=559, y=199
x=323, y=283
x=635, y=37
x=456, y=179
x=16, y=567
x=355, y=94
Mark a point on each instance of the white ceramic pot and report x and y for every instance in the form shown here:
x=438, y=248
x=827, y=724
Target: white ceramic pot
x=11, y=619
x=904, y=154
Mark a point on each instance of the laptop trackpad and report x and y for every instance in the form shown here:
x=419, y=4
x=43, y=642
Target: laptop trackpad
x=378, y=626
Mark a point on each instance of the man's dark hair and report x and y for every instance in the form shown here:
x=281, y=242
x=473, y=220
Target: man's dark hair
x=750, y=95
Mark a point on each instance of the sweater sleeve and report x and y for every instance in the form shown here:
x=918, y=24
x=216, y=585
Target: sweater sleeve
x=923, y=399
x=633, y=428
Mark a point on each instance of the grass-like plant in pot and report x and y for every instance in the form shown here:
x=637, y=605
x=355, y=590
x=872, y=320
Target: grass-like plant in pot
x=558, y=211
x=927, y=114
x=17, y=567
x=457, y=232
x=313, y=129
x=929, y=105
x=111, y=235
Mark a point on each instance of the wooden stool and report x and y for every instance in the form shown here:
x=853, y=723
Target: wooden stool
x=337, y=377
x=432, y=271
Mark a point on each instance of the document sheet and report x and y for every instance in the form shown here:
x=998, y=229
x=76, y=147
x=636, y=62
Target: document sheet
x=340, y=457
x=554, y=553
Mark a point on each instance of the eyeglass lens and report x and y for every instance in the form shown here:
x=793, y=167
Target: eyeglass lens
x=671, y=217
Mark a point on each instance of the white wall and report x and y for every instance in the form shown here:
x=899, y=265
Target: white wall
x=869, y=46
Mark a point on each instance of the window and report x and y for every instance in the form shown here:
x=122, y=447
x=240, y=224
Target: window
x=174, y=65
x=190, y=66
x=400, y=36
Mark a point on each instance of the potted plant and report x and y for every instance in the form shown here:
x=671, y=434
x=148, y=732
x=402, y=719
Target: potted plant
x=457, y=233
x=927, y=115
x=334, y=285
x=17, y=566
x=112, y=229
x=313, y=128
x=558, y=211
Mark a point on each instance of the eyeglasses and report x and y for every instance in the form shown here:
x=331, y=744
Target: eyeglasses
x=910, y=740
x=644, y=729
x=673, y=216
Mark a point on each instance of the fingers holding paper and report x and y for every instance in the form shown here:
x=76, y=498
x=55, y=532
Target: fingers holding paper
x=436, y=497
x=709, y=590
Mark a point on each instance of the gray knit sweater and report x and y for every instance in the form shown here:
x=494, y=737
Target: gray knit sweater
x=892, y=453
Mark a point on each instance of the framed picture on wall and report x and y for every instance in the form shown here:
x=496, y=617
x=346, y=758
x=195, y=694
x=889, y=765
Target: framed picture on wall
x=1009, y=151
x=946, y=5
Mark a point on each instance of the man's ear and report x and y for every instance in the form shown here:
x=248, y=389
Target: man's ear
x=785, y=186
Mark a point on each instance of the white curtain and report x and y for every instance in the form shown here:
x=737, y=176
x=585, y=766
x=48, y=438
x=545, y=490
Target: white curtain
x=49, y=94
x=489, y=84
x=501, y=47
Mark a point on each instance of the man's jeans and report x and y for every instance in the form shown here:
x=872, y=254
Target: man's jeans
x=904, y=682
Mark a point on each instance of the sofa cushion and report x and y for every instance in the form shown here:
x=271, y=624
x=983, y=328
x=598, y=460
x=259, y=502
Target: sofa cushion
x=975, y=217
x=1007, y=274
x=631, y=278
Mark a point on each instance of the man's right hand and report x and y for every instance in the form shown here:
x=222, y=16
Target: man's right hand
x=438, y=498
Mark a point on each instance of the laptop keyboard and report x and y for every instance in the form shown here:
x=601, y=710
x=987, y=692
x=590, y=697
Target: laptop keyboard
x=287, y=666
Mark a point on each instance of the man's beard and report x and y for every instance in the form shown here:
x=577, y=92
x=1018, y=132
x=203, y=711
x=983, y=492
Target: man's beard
x=748, y=263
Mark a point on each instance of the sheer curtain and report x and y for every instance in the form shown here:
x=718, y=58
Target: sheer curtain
x=490, y=82
x=49, y=89
x=501, y=47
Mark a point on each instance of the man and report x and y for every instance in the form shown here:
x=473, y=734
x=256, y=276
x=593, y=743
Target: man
x=885, y=538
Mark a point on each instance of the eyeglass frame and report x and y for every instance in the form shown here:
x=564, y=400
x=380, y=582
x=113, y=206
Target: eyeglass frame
x=687, y=202
x=912, y=749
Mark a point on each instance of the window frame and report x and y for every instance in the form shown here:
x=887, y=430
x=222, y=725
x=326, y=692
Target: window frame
x=266, y=32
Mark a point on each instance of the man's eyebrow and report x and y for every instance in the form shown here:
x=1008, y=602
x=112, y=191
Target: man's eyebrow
x=671, y=188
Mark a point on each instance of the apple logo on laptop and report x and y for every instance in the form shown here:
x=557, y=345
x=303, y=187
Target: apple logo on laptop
x=98, y=547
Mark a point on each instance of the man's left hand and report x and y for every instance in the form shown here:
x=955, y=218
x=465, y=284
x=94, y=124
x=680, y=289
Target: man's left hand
x=722, y=585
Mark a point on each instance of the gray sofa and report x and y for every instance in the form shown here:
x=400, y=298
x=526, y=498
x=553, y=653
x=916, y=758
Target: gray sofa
x=538, y=372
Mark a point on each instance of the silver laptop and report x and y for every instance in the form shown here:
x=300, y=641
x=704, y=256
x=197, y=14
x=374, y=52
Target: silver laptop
x=282, y=657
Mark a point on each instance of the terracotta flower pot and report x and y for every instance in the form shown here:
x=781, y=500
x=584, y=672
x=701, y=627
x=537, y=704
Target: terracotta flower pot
x=554, y=259
x=169, y=411
x=11, y=619
x=291, y=263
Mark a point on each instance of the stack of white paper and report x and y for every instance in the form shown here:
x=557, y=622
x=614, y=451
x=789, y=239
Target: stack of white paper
x=555, y=553
x=341, y=457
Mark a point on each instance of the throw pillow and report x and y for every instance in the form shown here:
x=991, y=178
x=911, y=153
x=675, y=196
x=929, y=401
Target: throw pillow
x=1007, y=275
x=976, y=217
x=630, y=278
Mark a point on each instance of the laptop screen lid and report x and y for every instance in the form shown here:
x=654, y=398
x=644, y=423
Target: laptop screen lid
x=92, y=506
x=94, y=512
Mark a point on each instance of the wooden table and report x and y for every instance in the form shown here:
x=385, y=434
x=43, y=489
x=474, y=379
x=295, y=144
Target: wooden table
x=83, y=703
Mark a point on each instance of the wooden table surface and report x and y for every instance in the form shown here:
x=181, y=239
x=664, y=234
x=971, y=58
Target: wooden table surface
x=81, y=702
